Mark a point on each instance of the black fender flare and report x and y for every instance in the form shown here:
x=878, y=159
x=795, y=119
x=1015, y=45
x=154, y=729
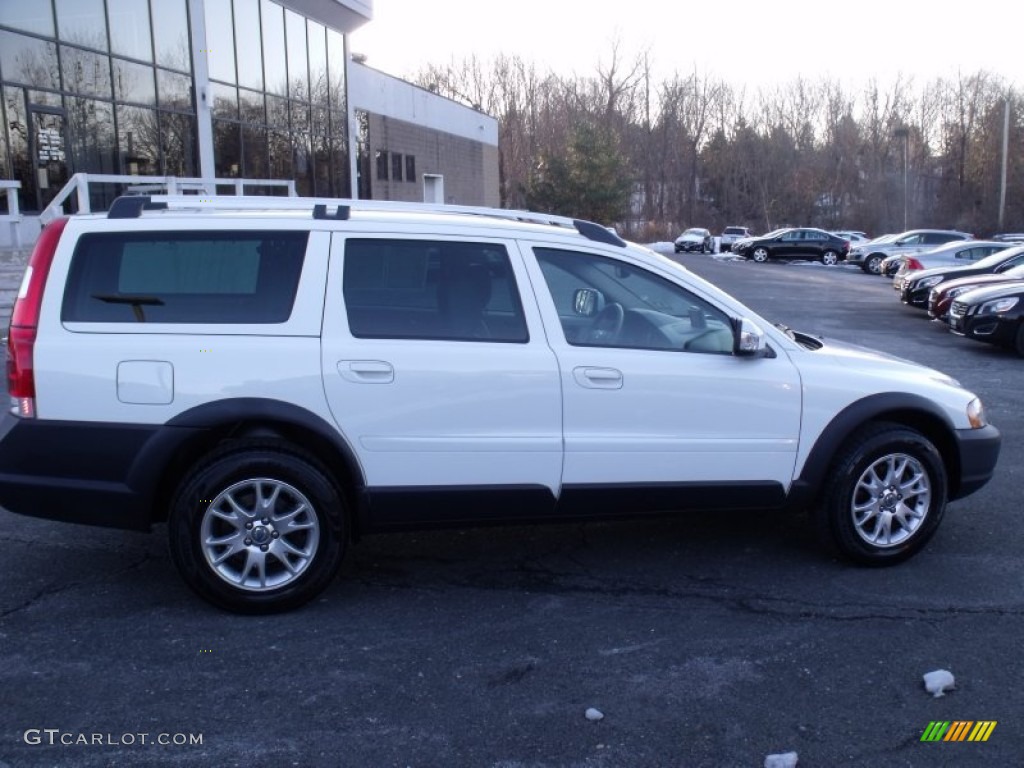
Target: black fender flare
x=904, y=408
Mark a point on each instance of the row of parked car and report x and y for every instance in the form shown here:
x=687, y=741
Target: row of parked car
x=975, y=287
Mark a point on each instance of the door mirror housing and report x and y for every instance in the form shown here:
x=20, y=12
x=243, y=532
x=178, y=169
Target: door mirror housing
x=748, y=339
x=587, y=302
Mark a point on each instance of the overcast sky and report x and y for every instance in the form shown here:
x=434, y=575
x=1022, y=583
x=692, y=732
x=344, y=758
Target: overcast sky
x=753, y=42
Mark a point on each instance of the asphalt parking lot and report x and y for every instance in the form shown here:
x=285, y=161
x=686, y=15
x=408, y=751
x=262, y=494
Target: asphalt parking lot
x=704, y=641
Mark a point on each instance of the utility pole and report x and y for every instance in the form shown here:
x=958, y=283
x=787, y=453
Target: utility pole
x=1006, y=144
x=904, y=133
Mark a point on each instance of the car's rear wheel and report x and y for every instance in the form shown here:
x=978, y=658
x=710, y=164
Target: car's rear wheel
x=257, y=527
x=873, y=264
x=760, y=255
x=885, y=495
x=831, y=258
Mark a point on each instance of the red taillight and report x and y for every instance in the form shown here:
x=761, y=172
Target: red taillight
x=21, y=337
x=913, y=264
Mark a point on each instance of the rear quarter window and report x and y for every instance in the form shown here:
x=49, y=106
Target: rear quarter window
x=184, y=277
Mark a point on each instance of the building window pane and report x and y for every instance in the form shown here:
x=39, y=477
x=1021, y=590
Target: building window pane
x=382, y=165
x=318, y=86
x=175, y=90
x=340, y=184
x=251, y=107
x=220, y=42
x=277, y=112
x=303, y=166
x=300, y=117
x=336, y=69
x=28, y=61
x=279, y=153
x=133, y=82
x=396, y=166
x=84, y=72
x=298, y=63
x=129, y=29
x=248, y=45
x=32, y=17
x=274, y=66
x=410, y=168
x=225, y=101
x=322, y=167
x=93, y=146
x=82, y=22
x=170, y=33
x=138, y=141
x=254, y=154
x=227, y=149
x=178, y=144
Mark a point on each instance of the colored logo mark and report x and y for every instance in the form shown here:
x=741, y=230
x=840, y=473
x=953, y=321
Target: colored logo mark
x=959, y=730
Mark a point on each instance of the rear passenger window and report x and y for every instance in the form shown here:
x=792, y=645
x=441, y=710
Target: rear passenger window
x=426, y=289
x=184, y=277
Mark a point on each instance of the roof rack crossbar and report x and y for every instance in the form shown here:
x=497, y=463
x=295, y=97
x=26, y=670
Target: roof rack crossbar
x=131, y=206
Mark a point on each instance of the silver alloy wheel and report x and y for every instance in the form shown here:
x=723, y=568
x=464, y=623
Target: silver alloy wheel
x=874, y=265
x=891, y=500
x=761, y=255
x=831, y=258
x=259, y=534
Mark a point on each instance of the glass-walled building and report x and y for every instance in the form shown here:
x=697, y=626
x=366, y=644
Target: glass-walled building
x=210, y=88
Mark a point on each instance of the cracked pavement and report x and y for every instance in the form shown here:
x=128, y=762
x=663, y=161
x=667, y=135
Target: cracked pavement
x=706, y=640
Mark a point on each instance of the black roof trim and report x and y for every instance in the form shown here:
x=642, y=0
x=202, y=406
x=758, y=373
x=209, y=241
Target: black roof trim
x=341, y=212
x=131, y=206
x=596, y=232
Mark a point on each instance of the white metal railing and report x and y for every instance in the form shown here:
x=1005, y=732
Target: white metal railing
x=78, y=185
x=13, y=215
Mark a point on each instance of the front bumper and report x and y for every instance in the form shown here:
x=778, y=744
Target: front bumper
x=978, y=454
x=992, y=329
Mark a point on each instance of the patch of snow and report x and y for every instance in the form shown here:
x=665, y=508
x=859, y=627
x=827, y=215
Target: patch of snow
x=783, y=760
x=594, y=714
x=938, y=682
x=662, y=247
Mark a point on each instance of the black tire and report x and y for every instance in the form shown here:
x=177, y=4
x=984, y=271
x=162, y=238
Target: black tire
x=901, y=453
x=830, y=258
x=295, y=561
x=1019, y=345
x=760, y=255
x=873, y=264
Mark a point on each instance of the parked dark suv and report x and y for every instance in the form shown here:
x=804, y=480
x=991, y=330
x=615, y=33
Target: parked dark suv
x=816, y=244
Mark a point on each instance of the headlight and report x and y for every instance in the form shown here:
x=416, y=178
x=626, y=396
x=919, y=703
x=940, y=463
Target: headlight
x=976, y=414
x=928, y=282
x=997, y=306
x=952, y=293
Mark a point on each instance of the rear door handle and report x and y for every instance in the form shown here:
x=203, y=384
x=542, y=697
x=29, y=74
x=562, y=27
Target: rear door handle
x=598, y=378
x=366, y=371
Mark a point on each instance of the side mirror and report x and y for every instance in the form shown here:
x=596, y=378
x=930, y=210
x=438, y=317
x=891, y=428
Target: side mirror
x=586, y=302
x=748, y=339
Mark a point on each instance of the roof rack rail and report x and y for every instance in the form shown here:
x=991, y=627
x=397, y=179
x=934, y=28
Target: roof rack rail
x=341, y=208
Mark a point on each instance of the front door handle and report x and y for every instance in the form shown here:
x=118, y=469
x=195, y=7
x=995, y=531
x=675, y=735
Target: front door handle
x=598, y=378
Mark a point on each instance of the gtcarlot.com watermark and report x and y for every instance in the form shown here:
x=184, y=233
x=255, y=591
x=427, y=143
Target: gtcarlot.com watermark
x=56, y=737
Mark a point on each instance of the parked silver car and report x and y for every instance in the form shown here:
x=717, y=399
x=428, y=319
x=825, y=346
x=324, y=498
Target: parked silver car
x=868, y=256
x=949, y=255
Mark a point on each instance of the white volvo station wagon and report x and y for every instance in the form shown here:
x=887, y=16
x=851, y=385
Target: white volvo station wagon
x=275, y=377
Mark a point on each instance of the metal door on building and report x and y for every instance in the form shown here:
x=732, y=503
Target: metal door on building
x=48, y=142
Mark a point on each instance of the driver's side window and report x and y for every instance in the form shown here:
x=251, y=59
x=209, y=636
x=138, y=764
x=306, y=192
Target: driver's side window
x=603, y=302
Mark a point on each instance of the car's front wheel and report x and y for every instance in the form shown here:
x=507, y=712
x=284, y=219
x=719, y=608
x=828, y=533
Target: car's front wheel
x=257, y=527
x=1019, y=346
x=760, y=255
x=831, y=258
x=885, y=495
